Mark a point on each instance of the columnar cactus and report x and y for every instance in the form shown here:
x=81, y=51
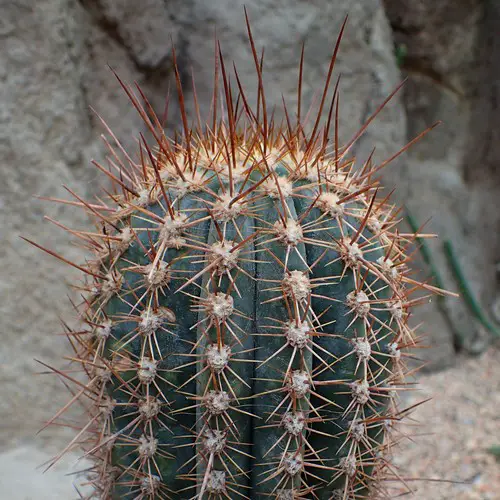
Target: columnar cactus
x=246, y=311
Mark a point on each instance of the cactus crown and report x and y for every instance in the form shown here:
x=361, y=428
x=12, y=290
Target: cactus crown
x=247, y=309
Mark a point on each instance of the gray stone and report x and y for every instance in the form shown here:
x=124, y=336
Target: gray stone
x=44, y=135
x=53, y=66
x=23, y=476
x=450, y=175
x=365, y=59
x=143, y=28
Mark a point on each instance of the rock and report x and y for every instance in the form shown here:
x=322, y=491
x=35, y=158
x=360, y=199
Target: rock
x=53, y=66
x=450, y=175
x=45, y=131
x=144, y=29
x=365, y=60
x=27, y=461
x=440, y=35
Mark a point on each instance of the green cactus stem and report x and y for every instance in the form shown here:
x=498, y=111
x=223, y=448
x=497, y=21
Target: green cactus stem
x=452, y=259
x=469, y=298
x=426, y=253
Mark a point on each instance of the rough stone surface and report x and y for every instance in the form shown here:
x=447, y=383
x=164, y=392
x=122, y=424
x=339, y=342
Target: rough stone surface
x=44, y=134
x=452, y=175
x=54, y=65
x=23, y=476
x=365, y=62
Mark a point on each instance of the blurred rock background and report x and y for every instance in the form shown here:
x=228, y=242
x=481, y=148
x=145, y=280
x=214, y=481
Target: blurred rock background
x=54, y=65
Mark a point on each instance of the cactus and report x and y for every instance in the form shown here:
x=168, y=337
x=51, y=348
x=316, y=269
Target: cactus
x=245, y=311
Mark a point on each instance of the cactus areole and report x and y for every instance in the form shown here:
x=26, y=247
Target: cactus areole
x=245, y=303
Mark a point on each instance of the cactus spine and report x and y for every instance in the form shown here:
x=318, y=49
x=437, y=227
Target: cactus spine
x=246, y=312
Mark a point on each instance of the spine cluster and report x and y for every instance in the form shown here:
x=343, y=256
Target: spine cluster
x=246, y=312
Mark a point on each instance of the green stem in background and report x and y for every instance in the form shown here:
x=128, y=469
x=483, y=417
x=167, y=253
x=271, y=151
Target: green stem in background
x=426, y=254
x=459, y=334
x=465, y=290
x=458, y=274
x=400, y=52
x=495, y=451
